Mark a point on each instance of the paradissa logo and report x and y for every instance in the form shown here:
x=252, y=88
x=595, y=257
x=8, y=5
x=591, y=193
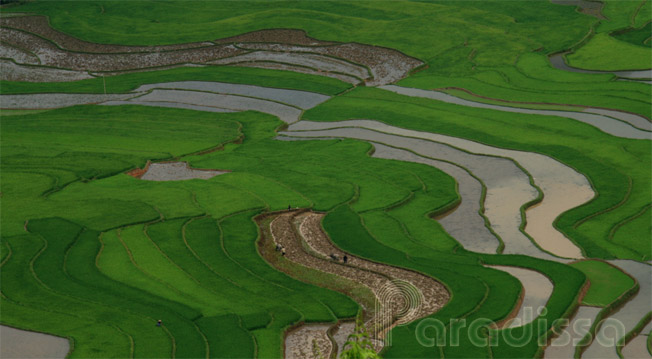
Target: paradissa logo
x=482, y=332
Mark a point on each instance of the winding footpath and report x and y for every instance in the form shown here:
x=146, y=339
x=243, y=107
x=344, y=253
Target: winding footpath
x=401, y=295
x=512, y=179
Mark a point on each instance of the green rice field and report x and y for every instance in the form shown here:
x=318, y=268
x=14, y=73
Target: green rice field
x=483, y=154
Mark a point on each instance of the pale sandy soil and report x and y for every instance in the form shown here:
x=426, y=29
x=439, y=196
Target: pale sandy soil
x=176, y=171
x=619, y=128
x=341, y=335
x=628, y=316
x=537, y=290
x=19, y=344
x=10, y=71
x=300, y=343
x=385, y=65
x=19, y=55
x=51, y=55
x=285, y=49
x=563, y=346
x=401, y=295
x=324, y=63
x=55, y=100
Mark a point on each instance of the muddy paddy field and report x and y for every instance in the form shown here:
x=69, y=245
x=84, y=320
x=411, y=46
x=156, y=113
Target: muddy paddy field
x=278, y=182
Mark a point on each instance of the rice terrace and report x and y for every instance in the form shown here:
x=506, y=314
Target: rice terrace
x=326, y=179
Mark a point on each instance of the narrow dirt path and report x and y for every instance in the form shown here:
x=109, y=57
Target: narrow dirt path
x=401, y=295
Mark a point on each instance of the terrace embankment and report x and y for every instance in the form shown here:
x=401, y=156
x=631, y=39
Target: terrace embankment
x=401, y=295
x=29, y=40
x=507, y=190
x=558, y=61
x=537, y=290
x=628, y=316
x=617, y=123
x=287, y=105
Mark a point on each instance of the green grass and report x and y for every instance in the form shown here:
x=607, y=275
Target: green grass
x=596, y=55
x=51, y=150
x=608, y=166
x=623, y=14
x=607, y=282
x=629, y=232
x=533, y=79
x=105, y=255
x=238, y=75
x=639, y=36
x=521, y=26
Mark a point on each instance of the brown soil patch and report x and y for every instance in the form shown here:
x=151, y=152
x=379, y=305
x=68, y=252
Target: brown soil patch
x=401, y=295
x=386, y=65
x=286, y=36
x=52, y=48
x=53, y=56
x=137, y=173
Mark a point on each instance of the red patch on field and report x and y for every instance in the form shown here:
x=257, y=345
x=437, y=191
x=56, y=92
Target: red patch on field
x=136, y=173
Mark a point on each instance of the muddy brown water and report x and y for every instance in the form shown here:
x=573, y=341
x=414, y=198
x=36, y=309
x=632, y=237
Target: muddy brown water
x=537, y=290
x=563, y=346
x=465, y=223
x=628, y=316
x=508, y=187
